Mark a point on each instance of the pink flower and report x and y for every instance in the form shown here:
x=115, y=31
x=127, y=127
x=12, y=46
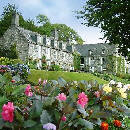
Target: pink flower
x=61, y=97
x=97, y=94
x=82, y=99
x=63, y=118
x=44, y=82
x=28, y=91
x=7, y=112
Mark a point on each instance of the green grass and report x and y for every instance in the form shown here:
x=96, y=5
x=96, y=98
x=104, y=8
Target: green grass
x=68, y=76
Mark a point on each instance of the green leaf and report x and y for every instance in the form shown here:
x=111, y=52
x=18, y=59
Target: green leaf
x=1, y=123
x=45, y=117
x=36, y=127
x=62, y=82
x=82, y=111
x=16, y=78
x=48, y=101
x=36, y=108
x=19, y=117
x=85, y=123
x=29, y=123
x=68, y=109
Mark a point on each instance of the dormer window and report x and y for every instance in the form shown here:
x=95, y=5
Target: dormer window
x=44, y=40
x=103, y=51
x=34, y=38
x=60, y=45
x=52, y=43
x=39, y=39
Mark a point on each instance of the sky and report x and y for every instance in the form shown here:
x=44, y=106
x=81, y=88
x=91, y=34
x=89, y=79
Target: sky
x=58, y=11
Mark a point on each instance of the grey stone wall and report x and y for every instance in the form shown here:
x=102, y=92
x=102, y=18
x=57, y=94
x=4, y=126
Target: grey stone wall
x=13, y=36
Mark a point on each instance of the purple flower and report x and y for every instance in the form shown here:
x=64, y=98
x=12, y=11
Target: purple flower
x=49, y=126
x=44, y=82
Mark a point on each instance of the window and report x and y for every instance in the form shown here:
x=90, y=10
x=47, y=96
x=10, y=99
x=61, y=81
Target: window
x=34, y=38
x=44, y=41
x=103, y=60
x=82, y=60
x=60, y=45
x=103, y=51
x=89, y=52
x=52, y=43
x=92, y=58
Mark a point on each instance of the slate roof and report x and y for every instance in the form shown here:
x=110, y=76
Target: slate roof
x=27, y=34
x=31, y=37
x=96, y=49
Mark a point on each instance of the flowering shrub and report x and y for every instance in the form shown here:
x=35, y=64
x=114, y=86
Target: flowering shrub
x=19, y=70
x=61, y=105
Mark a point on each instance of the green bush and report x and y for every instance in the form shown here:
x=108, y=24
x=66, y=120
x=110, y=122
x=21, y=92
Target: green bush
x=9, y=52
x=7, y=61
x=32, y=63
x=55, y=68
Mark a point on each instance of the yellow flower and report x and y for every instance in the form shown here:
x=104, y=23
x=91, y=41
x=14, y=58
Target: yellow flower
x=122, y=92
x=124, y=95
x=106, y=88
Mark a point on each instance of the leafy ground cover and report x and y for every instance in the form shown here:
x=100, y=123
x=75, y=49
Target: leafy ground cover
x=68, y=76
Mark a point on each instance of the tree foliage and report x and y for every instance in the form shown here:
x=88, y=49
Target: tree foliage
x=42, y=19
x=113, y=16
x=77, y=61
x=5, y=20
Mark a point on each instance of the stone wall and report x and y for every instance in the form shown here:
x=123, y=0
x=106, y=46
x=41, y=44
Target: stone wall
x=13, y=36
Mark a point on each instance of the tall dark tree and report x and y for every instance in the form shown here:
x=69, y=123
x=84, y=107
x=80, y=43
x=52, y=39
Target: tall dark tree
x=113, y=17
x=5, y=19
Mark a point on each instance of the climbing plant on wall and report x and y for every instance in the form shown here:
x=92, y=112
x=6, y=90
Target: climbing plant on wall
x=77, y=61
x=111, y=64
x=118, y=64
x=123, y=65
x=11, y=52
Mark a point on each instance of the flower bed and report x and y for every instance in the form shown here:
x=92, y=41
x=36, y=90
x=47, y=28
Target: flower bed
x=61, y=105
x=17, y=71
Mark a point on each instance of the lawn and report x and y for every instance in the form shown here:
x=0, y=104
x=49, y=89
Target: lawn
x=68, y=76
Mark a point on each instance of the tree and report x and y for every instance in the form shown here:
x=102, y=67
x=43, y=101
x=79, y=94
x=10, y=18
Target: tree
x=5, y=20
x=42, y=19
x=113, y=16
x=66, y=33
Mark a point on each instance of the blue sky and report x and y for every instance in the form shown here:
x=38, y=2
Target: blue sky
x=58, y=11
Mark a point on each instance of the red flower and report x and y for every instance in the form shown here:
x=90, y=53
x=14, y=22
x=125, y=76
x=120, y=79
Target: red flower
x=63, y=118
x=13, y=81
x=104, y=126
x=117, y=123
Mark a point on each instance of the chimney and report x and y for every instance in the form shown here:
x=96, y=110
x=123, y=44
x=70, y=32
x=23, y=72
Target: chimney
x=15, y=19
x=55, y=34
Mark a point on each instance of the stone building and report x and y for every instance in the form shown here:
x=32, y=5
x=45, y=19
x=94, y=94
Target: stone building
x=95, y=58
x=33, y=45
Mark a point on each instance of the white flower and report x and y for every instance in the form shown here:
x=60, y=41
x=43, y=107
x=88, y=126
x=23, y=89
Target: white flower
x=119, y=84
x=127, y=86
x=112, y=82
